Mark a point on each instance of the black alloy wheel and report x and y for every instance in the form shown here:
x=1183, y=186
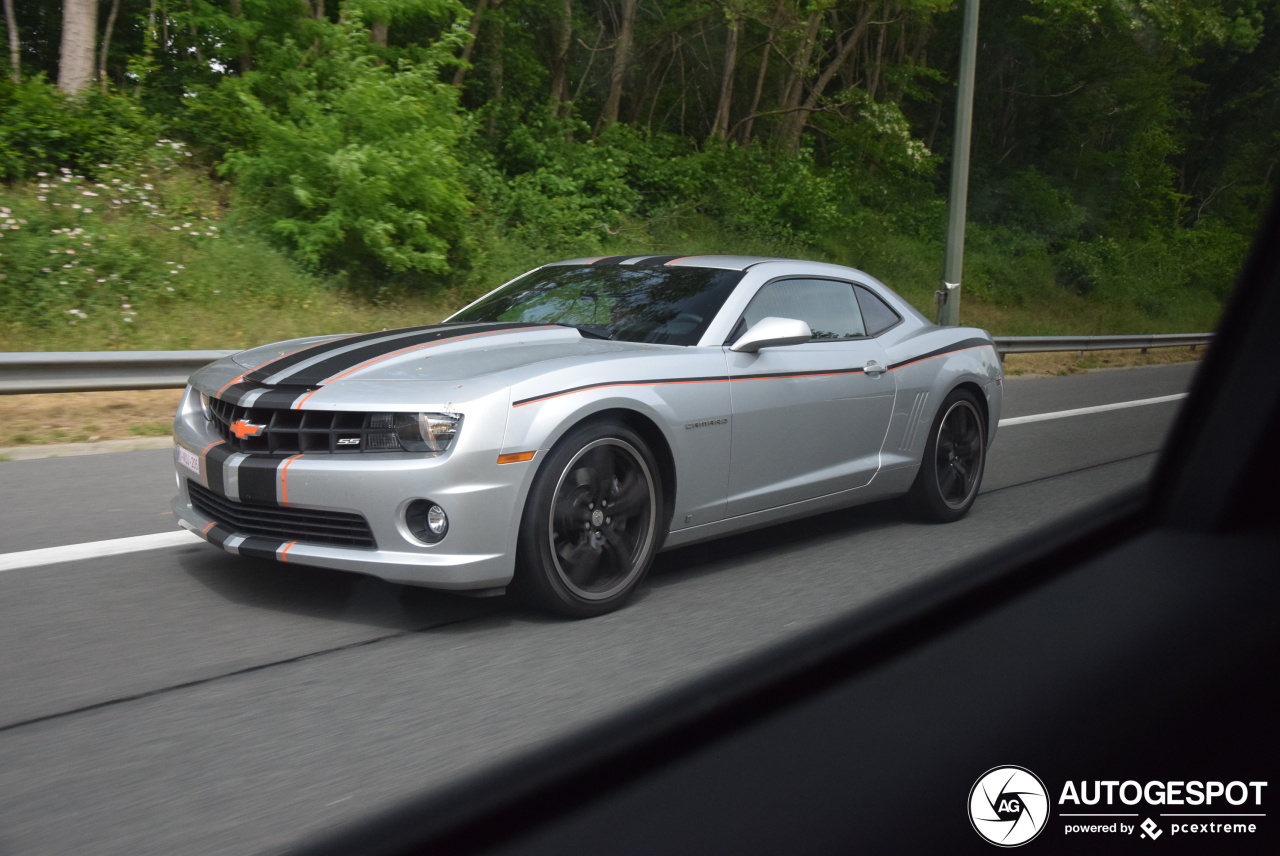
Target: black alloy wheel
x=592, y=524
x=953, y=462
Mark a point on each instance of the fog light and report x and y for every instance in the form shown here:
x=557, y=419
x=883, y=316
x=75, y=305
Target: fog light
x=426, y=520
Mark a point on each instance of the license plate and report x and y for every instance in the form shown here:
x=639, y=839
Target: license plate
x=190, y=460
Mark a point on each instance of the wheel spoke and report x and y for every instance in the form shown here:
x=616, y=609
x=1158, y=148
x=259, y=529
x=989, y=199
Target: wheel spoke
x=946, y=441
x=948, y=483
x=582, y=475
x=633, y=496
x=570, y=514
x=618, y=552
x=603, y=466
x=579, y=560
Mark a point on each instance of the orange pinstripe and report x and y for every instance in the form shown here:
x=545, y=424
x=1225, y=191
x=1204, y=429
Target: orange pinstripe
x=734, y=379
x=235, y=380
x=284, y=480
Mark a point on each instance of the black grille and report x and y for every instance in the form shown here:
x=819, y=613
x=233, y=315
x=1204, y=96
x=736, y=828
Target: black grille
x=294, y=431
x=288, y=524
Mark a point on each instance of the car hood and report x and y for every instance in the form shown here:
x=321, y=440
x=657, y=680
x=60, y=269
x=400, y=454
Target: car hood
x=459, y=353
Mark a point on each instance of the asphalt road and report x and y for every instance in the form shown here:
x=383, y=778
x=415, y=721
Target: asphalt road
x=186, y=701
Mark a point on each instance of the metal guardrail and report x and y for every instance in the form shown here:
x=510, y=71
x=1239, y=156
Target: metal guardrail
x=95, y=371
x=1050, y=344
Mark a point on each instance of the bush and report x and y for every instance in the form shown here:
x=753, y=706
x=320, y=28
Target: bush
x=145, y=235
x=353, y=165
x=1084, y=265
x=41, y=129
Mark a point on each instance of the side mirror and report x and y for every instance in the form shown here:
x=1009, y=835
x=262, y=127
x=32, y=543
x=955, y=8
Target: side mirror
x=771, y=332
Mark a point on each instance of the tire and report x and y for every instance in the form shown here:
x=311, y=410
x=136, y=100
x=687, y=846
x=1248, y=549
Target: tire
x=954, y=458
x=576, y=556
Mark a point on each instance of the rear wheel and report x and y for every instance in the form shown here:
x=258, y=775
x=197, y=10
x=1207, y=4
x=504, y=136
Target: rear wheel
x=592, y=522
x=954, y=458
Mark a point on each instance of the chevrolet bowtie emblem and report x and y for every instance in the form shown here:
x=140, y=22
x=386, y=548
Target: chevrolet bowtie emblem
x=243, y=428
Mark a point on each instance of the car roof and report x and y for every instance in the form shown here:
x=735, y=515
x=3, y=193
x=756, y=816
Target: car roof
x=742, y=263
x=709, y=261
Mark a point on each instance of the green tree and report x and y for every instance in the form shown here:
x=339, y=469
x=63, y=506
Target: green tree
x=350, y=161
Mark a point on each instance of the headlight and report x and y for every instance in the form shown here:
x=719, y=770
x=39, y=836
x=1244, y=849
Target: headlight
x=427, y=432
x=205, y=407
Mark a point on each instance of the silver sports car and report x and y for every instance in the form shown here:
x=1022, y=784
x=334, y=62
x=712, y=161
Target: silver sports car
x=556, y=433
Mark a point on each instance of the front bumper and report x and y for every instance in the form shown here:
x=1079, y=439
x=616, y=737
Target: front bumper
x=483, y=500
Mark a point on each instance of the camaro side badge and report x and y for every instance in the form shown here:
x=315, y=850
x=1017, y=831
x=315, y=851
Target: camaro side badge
x=705, y=422
x=243, y=428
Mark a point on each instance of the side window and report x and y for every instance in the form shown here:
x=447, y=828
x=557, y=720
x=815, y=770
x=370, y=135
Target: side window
x=827, y=306
x=875, y=312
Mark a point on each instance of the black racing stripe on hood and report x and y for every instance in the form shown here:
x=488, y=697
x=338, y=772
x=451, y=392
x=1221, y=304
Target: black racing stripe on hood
x=237, y=392
x=288, y=361
x=316, y=374
x=280, y=399
x=612, y=260
x=962, y=345
x=259, y=547
x=258, y=478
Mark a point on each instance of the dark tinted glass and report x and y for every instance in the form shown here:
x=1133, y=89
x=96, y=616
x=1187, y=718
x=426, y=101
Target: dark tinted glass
x=827, y=306
x=876, y=314
x=661, y=305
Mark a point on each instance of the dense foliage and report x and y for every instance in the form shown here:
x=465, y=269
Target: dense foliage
x=1122, y=150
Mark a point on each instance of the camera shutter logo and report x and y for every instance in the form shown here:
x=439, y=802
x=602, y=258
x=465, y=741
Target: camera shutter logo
x=1008, y=806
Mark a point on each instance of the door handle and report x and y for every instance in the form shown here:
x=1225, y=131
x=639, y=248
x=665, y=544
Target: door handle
x=873, y=368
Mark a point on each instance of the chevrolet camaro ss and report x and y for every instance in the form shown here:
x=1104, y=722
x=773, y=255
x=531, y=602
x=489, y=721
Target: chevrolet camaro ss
x=555, y=434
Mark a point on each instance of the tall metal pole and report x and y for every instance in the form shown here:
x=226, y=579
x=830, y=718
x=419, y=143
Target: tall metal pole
x=949, y=311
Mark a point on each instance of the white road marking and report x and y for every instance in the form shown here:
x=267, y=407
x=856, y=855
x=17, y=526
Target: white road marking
x=96, y=549
x=1081, y=411
x=120, y=546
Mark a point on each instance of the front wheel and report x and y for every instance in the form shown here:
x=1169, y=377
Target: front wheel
x=592, y=523
x=954, y=458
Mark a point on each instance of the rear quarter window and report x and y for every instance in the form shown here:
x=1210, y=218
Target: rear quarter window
x=876, y=314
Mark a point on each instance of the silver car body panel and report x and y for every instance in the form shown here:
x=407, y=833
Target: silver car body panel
x=751, y=438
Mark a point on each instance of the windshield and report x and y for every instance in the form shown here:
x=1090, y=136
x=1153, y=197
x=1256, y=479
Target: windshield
x=658, y=305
